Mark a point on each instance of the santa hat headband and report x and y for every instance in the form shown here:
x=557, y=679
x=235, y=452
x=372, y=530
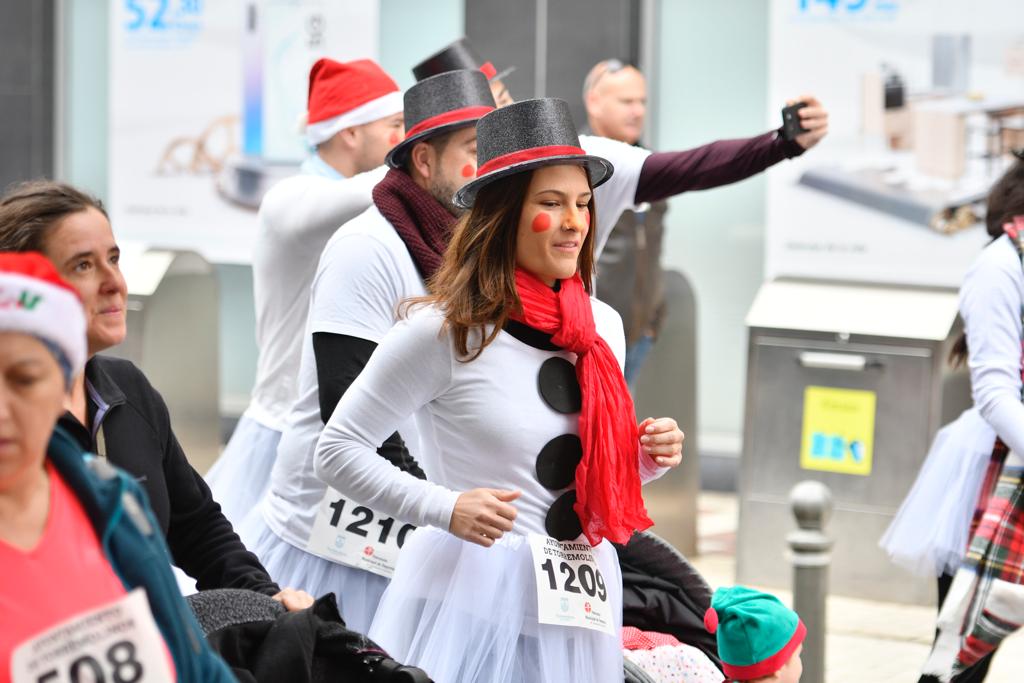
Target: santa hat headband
x=1014, y=227
x=346, y=94
x=36, y=301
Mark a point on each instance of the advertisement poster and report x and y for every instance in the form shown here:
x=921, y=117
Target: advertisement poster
x=839, y=430
x=926, y=100
x=206, y=107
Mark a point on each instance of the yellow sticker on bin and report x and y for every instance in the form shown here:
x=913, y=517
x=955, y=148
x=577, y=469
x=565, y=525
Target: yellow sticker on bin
x=839, y=430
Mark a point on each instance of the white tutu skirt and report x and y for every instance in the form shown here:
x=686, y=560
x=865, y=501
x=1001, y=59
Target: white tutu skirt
x=468, y=614
x=358, y=592
x=242, y=472
x=930, y=532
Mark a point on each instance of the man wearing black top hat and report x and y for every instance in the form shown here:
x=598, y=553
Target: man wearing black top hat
x=370, y=265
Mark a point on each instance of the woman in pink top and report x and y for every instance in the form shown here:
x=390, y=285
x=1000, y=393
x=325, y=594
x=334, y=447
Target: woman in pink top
x=75, y=537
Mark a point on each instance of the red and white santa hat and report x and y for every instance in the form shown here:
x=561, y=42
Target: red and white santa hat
x=346, y=94
x=36, y=301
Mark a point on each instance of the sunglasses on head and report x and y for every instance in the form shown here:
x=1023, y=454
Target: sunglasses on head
x=610, y=66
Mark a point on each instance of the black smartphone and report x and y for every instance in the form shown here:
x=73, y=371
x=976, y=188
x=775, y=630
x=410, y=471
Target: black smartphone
x=791, y=127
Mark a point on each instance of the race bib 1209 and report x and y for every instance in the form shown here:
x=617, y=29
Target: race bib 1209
x=571, y=590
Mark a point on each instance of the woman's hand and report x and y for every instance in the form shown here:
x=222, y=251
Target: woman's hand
x=662, y=440
x=482, y=516
x=294, y=600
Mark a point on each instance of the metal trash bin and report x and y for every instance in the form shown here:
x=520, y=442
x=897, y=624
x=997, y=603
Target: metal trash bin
x=846, y=384
x=667, y=386
x=173, y=336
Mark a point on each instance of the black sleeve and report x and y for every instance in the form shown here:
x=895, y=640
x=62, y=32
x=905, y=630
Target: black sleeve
x=339, y=360
x=200, y=537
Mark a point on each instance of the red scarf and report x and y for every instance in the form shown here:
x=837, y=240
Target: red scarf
x=608, y=500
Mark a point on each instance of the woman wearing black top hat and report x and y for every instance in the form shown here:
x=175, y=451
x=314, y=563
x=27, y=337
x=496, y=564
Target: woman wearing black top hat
x=516, y=374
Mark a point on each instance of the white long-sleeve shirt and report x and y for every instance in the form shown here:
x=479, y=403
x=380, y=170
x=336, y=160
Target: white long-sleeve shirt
x=990, y=304
x=485, y=422
x=364, y=273
x=296, y=219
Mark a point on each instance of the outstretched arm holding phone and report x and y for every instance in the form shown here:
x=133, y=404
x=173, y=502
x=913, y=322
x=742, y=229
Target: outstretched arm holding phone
x=722, y=162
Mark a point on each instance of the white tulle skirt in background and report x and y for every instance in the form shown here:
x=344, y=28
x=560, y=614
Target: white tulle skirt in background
x=358, y=592
x=241, y=474
x=930, y=532
x=468, y=614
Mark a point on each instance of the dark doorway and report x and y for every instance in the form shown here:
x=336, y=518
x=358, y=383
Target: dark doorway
x=574, y=35
x=26, y=89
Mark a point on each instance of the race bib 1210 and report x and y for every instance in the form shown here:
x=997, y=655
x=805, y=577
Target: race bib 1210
x=354, y=535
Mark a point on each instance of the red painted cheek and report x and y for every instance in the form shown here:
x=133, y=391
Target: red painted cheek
x=393, y=140
x=541, y=222
x=468, y=171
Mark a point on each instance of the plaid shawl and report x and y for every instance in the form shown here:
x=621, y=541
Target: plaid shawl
x=985, y=603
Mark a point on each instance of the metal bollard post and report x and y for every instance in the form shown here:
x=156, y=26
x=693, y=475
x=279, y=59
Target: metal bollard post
x=811, y=554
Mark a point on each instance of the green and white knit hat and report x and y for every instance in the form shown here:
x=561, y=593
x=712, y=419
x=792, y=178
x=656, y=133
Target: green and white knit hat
x=756, y=633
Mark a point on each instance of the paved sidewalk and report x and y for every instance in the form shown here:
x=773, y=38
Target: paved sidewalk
x=867, y=641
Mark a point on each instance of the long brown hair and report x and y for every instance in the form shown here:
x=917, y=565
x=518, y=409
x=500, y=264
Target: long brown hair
x=475, y=286
x=1005, y=201
x=29, y=211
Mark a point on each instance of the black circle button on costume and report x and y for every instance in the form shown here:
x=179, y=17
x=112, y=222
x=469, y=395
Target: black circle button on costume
x=557, y=460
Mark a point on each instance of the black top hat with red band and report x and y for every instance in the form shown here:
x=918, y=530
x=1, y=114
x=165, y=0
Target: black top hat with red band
x=524, y=136
x=458, y=55
x=441, y=104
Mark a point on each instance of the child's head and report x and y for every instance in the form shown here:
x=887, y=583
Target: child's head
x=759, y=638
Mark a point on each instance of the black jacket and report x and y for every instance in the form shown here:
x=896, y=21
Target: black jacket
x=139, y=439
x=662, y=592
x=308, y=646
x=631, y=280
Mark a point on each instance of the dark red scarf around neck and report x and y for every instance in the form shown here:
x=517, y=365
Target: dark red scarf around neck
x=420, y=220
x=608, y=499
